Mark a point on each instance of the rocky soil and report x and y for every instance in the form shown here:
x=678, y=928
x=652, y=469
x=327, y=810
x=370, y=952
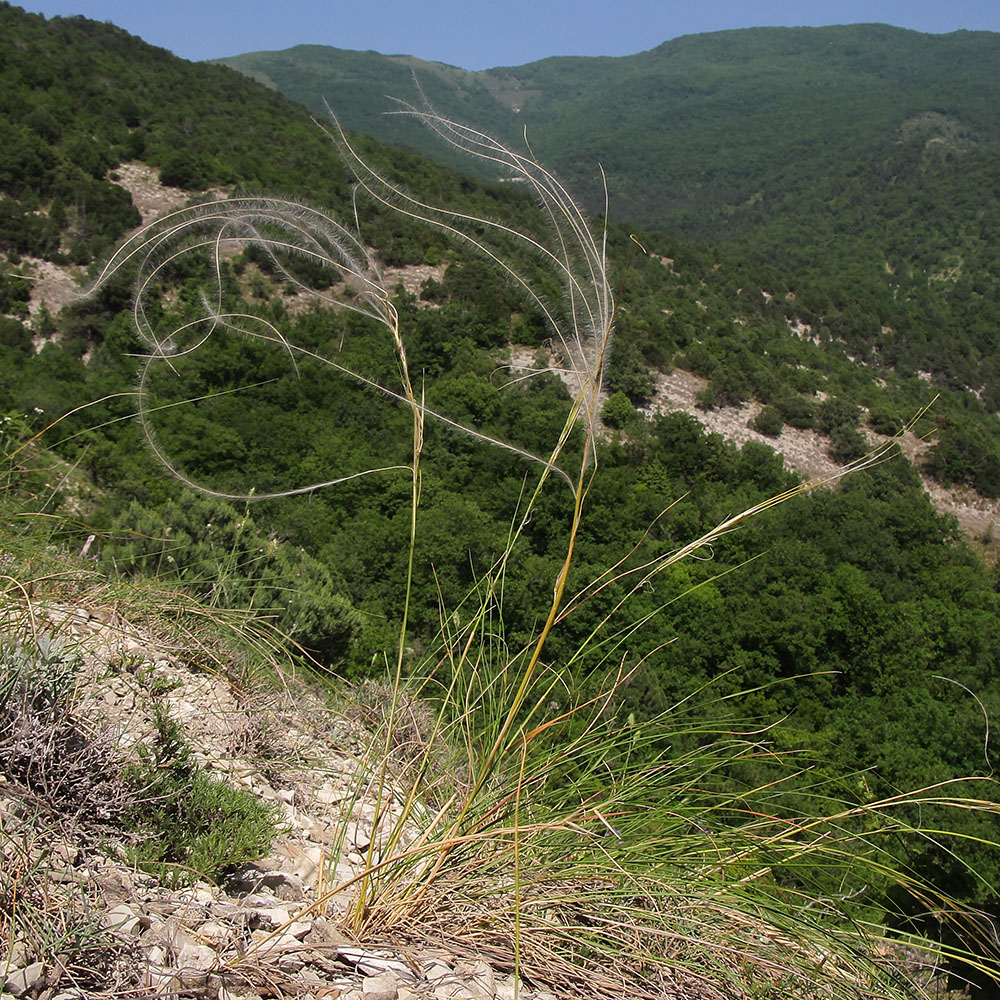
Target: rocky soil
x=273, y=928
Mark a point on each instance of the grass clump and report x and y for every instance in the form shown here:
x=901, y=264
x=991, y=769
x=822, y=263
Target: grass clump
x=45, y=912
x=58, y=775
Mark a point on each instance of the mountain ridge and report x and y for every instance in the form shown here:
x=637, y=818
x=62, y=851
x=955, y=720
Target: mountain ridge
x=862, y=159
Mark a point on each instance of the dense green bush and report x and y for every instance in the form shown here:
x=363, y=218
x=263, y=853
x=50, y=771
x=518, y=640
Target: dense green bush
x=769, y=421
x=617, y=410
x=191, y=825
x=220, y=553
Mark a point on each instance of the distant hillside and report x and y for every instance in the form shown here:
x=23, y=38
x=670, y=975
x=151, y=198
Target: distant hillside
x=76, y=125
x=66, y=122
x=863, y=158
x=708, y=135
x=357, y=87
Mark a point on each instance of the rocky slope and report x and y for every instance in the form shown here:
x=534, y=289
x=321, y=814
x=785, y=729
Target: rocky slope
x=274, y=927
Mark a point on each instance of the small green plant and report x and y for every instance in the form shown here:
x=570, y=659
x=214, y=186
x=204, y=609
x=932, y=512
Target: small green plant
x=193, y=826
x=769, y=421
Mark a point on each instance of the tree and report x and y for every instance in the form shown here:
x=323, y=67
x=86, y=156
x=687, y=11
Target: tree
x=628, y=373
x=769, y=421
x=618, y=410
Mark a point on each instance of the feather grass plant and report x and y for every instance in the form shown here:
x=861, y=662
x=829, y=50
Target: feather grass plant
x=570, y=846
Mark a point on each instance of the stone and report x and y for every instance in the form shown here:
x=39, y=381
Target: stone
x=436, y=971
x=344, y=873
x=451, y=991
x=17, y=957
x=156, y=955
x=169, y=933
x=303, y=863
x=122, y=921
x=291, y=962
x=320, y=833
x=261, y=900
x=299, y=929
x=202, y=893
x=65, y=853
x=371, y=964
x=268, y=918
x=325, y=931
x=21, y=982
x=478, y=977
x=268, y=942
x=360, y=835
x=215, y=932
x=384, y=986
x=198, y=957
x=508, y=989
x=284, y=885
x=329, y=794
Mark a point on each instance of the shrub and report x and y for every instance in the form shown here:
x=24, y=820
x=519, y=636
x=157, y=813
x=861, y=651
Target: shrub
x=218, y=550
x=192, y=825
x=769, y=421
x=883, y=421
x=60, y=763
x=836, y=412
x=846, y=444
x=184, y=170
x=796, y=411
x=629, y=373
x=617, y=410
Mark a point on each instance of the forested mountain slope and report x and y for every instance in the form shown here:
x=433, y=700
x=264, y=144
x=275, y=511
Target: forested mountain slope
x=857, y=621
x=864, y=158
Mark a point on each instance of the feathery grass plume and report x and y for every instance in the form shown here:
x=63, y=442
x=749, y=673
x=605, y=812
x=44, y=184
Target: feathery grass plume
x=582, y=331
x=577, y=849
x=277, y=228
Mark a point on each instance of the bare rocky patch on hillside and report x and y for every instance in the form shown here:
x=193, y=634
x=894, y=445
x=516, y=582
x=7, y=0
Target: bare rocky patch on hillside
x=52, y=286
x=149, y=196
x=804, y=451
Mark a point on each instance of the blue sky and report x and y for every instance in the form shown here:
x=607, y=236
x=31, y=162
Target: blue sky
x=478, y=35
